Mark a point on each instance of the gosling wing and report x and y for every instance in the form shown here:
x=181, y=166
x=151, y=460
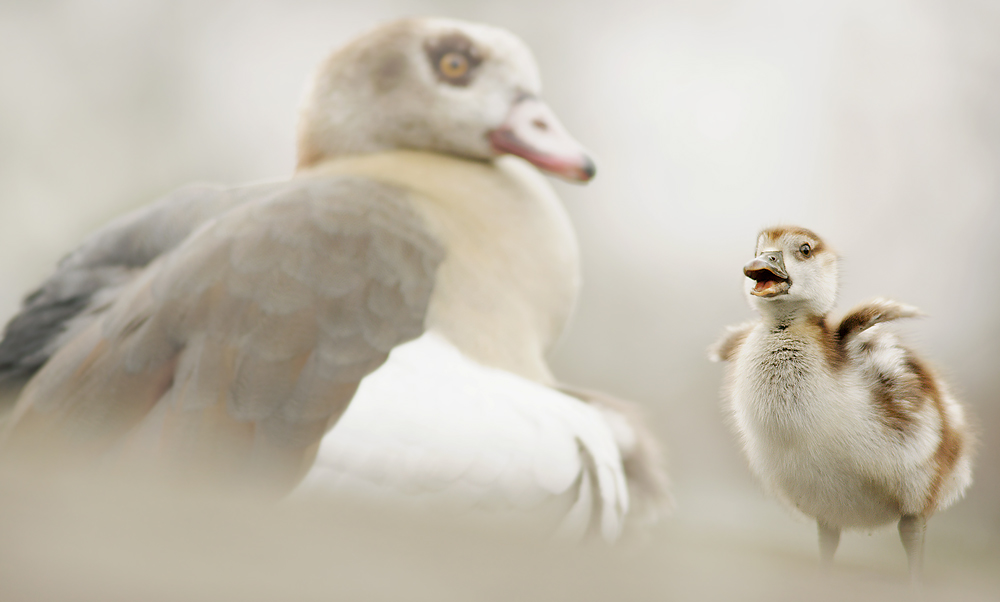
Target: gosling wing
x=868, y=314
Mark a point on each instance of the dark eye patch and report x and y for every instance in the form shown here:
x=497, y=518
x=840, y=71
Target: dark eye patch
x=437, y=48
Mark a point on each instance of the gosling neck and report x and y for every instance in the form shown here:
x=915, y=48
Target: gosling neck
x=779, y=314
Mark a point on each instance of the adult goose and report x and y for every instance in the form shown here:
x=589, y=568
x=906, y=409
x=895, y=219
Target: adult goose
x=218, y=334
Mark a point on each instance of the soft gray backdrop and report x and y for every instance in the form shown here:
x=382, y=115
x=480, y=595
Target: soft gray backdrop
x=877, y=124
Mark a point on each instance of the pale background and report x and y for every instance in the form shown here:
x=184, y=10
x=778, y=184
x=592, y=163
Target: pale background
x=876, y=124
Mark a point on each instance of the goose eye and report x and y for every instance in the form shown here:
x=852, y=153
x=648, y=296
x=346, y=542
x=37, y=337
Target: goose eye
x=453, y=65
x=806, y=250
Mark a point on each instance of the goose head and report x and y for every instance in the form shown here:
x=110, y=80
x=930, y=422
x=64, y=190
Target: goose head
x=793, y=272
x=436, y=85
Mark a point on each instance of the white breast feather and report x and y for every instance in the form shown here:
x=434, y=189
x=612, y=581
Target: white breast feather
x=432, y=424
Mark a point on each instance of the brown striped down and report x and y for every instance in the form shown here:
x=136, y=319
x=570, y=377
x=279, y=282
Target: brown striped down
x=833, y=348
x=952, y=442
x=898, y=399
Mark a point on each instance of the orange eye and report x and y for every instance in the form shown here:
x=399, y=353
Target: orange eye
x=453, y=65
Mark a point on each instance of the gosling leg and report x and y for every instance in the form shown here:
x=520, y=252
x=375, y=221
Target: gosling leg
x=829, y=538
x=911, y=532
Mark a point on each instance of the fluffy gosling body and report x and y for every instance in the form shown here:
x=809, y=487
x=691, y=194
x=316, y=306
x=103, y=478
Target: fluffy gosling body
x=839, y=419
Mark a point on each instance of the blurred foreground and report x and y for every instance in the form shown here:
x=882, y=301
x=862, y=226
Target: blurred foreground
x=98, y=540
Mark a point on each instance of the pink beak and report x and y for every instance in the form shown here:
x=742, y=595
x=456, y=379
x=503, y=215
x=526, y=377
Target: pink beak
x=532, y=132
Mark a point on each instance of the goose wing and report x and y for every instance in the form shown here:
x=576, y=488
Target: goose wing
x=235, y=350
x=86, y=280
x=433, y=426
x=726, y=348
x=901, y=383
x=868, y=314
x=642, y=457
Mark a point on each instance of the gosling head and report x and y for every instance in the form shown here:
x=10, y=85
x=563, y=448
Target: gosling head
x=437, y=85
x=793, y=273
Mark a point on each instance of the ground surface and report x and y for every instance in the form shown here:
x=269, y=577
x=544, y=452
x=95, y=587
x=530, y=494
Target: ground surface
x=103, y=542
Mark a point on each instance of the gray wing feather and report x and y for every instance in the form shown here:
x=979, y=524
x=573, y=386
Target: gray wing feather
x=86, y=278
x=260, y=324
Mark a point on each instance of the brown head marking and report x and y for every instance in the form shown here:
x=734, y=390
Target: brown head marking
x=777, y=232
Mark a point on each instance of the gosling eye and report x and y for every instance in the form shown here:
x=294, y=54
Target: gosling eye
x=805, y=249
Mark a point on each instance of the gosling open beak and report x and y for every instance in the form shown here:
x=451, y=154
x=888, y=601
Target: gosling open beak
x=768, y=269
x=532, y=131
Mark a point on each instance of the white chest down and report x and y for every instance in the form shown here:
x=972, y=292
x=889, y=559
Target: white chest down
x=812, y=435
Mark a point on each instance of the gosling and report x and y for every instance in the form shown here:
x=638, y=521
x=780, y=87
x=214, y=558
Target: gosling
x=839, y=420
